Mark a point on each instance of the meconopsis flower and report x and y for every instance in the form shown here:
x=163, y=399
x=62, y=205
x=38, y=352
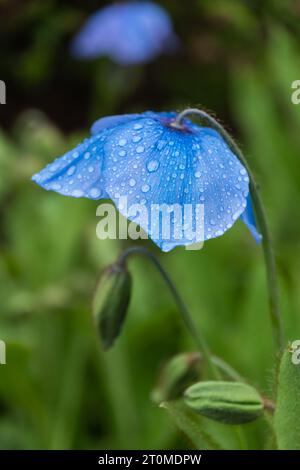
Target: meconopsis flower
x=159, y=165
x=132, y=32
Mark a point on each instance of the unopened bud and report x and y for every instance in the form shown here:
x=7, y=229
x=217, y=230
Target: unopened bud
x=228, y=402
x=110, y=303
x=180, y=372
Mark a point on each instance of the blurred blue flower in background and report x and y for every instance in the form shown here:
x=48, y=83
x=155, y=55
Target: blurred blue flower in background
x=129, y=33
x=149, y=159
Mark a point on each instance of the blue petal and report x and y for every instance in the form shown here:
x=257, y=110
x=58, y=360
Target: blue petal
x=133, y=32
x=150, y=163
x=112, y=121
x=78, y=173
x=249, y=219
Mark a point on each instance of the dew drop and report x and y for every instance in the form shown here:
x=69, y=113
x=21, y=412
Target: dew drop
x=140, y=149
x=122, y=153
x=132, y=182
x=54, y=167
x=77, y=193
x=152, y=165
x=95, y=193
x=161, y=144
x=122, y=142
x=71, y=170
x=137, y=127
x=136, y=138
x=197, y=174
x=145, y=188
x=91, y=169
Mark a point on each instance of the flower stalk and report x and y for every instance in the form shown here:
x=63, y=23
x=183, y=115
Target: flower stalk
x=183, y=310
x=270, y=263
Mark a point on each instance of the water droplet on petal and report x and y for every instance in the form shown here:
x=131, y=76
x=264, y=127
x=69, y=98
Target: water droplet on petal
x=140, y=149
x=132, y=182
x=145, y=188
x=161, y=144
x=197, y=174
x=54, y=167
x=122, y=142
x=152, y=165
x=136, y=138
x=122, y=153
x=71, y=170
x=77, y=193
x=95, y=193
x=137, y=127
x=91, y=169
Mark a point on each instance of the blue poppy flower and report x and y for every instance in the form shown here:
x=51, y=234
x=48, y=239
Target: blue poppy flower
x=129, y=33
x=152, y=161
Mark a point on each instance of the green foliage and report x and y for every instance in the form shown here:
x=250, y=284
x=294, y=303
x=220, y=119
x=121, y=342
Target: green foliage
x=57, y=389
x=286, y=421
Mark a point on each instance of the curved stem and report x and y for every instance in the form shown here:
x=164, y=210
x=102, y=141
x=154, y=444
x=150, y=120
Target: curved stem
x=270, y=263
x=186, y=317
x=227, y=370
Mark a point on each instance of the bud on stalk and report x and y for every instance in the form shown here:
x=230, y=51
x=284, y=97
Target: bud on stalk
x=178, y=373
x=227, y=402
x=110, y=302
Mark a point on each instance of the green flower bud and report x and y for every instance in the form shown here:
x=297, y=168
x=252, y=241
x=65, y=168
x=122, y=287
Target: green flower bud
x=228, y=402
x=110, y=303
x=180, y=372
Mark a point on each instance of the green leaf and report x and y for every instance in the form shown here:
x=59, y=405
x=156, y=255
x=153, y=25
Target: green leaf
x=287, y=424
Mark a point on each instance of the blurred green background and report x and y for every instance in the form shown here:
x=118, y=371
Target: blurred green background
x=58, y=390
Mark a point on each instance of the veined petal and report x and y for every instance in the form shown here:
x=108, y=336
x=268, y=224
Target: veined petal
x=249, y=219
x=78, y=173
x=112, y=121
x=152, y=164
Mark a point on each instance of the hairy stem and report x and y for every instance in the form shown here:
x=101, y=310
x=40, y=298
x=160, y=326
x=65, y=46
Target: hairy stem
x=269, y=257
